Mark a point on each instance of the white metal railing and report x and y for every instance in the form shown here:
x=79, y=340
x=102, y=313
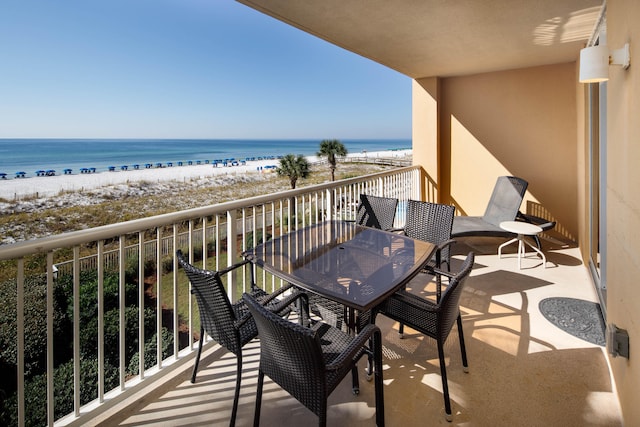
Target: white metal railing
x=139, y=256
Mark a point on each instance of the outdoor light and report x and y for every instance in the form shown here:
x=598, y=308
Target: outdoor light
x=617, y=341
x=595, y=61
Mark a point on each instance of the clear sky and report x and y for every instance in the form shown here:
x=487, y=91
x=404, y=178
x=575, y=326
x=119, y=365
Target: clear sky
x=184, y=69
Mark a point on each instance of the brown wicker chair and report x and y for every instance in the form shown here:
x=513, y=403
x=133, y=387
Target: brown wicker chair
x=229, y=324
x=432, y=222
x=376, y=212
x=435, y=320
x=309, y=363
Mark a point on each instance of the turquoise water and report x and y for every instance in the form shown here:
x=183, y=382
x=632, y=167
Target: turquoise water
x=30, y=155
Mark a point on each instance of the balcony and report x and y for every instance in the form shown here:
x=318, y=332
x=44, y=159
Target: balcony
x=524, y=370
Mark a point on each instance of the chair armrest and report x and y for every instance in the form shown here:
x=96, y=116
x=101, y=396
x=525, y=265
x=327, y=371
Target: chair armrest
x=448, y=274
x=233, y=267
x=438, y=257
x=444, y=244
x=276, y=294
x=355, y=346
x=282, y=304
x=277, y=307
x=416, y=301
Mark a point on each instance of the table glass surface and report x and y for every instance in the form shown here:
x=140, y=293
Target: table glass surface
x=353, y=265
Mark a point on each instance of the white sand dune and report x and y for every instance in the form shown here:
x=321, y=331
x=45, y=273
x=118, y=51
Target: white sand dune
x=49, y=186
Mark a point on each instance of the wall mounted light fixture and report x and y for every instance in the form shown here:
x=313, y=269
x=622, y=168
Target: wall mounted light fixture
x=595, y=61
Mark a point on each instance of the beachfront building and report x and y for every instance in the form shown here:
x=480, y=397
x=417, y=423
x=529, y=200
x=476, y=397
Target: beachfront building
x=496, y=92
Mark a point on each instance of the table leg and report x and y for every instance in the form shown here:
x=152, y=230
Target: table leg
x=503, y=245
x=520, y=252
x=544, y=259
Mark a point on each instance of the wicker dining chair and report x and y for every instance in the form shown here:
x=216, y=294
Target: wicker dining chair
x=310, y=362
x=432, y=319
x=376, y=212
x=432, y=222
x=229, y=324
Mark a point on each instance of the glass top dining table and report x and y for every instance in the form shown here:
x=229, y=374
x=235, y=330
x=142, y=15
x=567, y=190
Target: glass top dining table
x=353, y=265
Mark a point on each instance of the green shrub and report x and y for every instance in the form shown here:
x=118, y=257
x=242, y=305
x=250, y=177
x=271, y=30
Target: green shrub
x=249, y=239
x=35, y=324
x=150, y=357
x=36, y=392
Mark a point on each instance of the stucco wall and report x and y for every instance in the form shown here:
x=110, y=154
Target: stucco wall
x=518, y=122
x=623, y=200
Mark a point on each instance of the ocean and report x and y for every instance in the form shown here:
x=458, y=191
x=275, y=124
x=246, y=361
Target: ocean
x=31, y=155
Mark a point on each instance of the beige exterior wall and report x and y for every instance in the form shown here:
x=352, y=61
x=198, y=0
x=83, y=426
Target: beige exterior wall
x=623, y=200
x=518, y=122
x=425, y=110
x=533, y=123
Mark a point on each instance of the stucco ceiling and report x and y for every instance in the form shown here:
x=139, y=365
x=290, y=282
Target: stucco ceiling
x=426, y=38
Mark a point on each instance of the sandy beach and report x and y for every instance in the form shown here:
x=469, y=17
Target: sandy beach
x=50, y=186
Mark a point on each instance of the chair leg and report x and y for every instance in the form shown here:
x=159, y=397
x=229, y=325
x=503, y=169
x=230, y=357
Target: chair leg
x=355, y=381
x=463, y=348
x=322, y=419
x=377, y=358
x=445, y=385
x=438, y=276
x=195, y=366
x=256, y=416
x=234, y=411
x=371, y=356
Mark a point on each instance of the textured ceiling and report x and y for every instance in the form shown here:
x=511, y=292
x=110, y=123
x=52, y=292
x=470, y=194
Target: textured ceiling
x=426, y=38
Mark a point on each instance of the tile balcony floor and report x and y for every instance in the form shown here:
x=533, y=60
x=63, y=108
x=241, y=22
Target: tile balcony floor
x=523, y=370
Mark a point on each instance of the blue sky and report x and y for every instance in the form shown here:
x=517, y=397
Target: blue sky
x=184, y=69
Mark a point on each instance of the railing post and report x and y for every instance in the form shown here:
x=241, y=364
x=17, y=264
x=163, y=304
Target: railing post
x=329, y=204
x=20, y=356
x=232, y=246
x=49, y=362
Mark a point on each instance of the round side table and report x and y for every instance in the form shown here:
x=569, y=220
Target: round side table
x=522, y=229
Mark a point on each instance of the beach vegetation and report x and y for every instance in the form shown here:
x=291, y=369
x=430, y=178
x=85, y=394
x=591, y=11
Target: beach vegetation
x=35, y=317
x=249, y=241
x=77, y=210
x=294, y=167
x=331, y=149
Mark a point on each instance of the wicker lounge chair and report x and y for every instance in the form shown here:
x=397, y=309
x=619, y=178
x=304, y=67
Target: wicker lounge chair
x=504, y=205
x=435, y=320
x=309, y=363
x=229, y=324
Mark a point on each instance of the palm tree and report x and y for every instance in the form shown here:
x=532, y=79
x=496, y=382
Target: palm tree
x=294, y=167
x=332, y=148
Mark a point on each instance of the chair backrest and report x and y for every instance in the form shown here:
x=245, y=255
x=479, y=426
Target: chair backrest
x=376, y=212
x=291, y=355
x=450, y=302
x=431, y=222
x=216, y=314
x=505, y=200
